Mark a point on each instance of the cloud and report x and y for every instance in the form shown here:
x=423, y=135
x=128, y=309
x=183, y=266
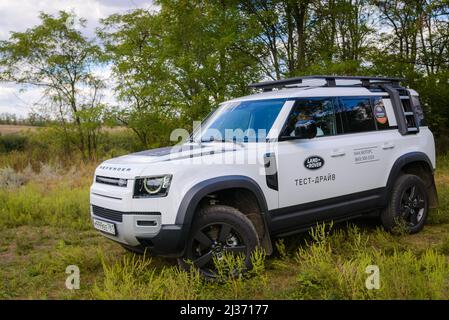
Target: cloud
x=19, y=102
x=19, y=15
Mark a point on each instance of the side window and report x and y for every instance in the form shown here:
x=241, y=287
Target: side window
x=317, y=109
x=356, y=115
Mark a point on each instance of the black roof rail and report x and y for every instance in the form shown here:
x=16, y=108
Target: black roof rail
x=330, y=81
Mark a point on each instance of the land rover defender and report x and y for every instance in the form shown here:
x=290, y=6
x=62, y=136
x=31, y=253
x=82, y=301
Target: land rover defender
x=304, y=150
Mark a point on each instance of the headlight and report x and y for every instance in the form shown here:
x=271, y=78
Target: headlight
x=156, y=186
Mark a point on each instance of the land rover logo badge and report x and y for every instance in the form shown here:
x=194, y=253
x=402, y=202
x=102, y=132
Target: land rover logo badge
x=313, y=162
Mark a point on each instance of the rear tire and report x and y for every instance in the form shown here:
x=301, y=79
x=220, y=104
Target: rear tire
x=408, y=206
x=218, y=229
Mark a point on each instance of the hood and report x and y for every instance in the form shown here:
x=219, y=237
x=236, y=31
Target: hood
x=130, y=166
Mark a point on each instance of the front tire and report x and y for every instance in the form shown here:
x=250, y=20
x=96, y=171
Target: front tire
x=408, y=205
x=219, y=229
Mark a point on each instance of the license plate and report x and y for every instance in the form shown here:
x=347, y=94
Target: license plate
x=104, y=226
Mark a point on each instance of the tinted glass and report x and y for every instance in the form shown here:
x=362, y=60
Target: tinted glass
x=318, y=109
x=242, y=121
x=356, y=115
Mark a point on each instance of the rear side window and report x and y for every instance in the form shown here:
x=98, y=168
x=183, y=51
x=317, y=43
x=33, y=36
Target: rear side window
x=356, y=115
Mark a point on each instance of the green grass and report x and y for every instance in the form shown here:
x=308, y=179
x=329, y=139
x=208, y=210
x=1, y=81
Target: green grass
x=45, y=226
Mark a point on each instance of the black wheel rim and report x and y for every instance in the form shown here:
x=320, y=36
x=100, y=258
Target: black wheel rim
x=412, y=206
x=212, y=241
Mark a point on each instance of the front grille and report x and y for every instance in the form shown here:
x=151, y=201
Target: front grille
x=108, y=213
x=115, y=215
x=112, y=181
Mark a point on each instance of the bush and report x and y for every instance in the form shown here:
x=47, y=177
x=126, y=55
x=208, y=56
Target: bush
x=52, y=197
x=12, y=142
x=49, y=145
x=11, y=179
x=117, y=142
x=326, y=273
x=136, y=277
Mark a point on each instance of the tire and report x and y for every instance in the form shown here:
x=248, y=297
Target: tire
x=218, y=229
x=408, y=206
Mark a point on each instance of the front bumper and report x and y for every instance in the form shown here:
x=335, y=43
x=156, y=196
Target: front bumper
x=169, y=242
x=140, y=223
x=143, y=230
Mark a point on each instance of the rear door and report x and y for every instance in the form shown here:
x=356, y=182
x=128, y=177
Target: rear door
x=370, y=141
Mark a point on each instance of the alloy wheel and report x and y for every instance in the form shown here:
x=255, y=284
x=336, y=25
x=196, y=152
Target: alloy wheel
x=213, y=241
x=412, y=206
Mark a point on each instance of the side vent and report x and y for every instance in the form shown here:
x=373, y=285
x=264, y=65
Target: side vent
x=271, y=173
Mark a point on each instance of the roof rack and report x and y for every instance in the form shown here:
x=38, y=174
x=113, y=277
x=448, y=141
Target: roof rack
x=330, y=81
x=401, y=99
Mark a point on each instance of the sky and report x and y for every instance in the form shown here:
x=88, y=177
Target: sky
x=19, y=15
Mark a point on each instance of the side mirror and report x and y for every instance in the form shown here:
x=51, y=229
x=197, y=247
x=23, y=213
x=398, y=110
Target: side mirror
x=305, y=129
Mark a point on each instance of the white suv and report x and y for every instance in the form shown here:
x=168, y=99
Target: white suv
x=303, y=151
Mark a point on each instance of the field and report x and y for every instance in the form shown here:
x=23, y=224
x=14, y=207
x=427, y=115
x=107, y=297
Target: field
x=9, y=128
x=14, y=129
x=45, y=227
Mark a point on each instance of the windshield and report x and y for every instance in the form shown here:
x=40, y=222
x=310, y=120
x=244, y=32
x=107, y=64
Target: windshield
x=244, y=121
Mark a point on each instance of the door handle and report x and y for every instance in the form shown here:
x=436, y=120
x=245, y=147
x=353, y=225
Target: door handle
x=387, y=145
x=338, y=153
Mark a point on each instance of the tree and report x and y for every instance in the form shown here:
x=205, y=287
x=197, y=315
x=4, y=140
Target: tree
x=281, y=37
x=59, y=59
x=130, y=42
x=416, y=47
x=308, y=36
x=208, y=50
x=173, y=66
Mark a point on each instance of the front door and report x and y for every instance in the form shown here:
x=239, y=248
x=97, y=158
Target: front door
x=311, y=169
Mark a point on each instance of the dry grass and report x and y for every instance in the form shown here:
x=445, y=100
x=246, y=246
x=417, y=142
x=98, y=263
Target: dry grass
x=9, y=129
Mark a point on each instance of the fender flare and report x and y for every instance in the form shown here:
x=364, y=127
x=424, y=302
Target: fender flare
x=401, y=162
x=192, y=198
